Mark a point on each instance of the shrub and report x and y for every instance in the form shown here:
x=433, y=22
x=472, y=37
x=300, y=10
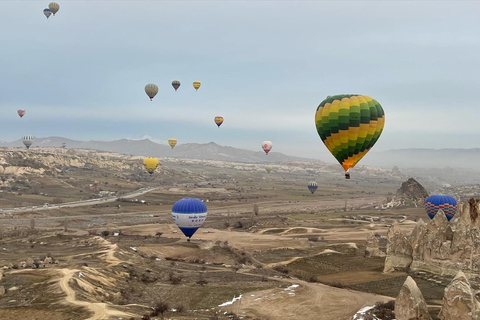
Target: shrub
x=161, y=307
x=281, y=269
x=385, y=311
x=174, y=278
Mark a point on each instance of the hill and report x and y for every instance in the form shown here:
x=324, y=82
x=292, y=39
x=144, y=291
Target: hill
x=146, y=147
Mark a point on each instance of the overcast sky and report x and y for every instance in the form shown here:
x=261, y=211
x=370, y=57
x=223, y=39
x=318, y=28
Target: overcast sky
x=264, y=66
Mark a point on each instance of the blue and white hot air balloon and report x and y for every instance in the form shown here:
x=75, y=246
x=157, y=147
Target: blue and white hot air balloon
x=27, y=140
x=312, y=186
x=436, y=202
x=47, y=12
x=189, y=215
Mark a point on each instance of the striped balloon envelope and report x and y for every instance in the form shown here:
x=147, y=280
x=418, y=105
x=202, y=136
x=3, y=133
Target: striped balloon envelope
x=189, y=215
x=312, y=186
x=349, y=125
x=436, y=202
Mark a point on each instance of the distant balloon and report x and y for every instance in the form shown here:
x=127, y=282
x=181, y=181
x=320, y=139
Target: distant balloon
x=448, y=204
x=151, y=90
x=172, y=142
x=267, y=146
x=218, y=121
x=196, y=85
x=150, y=164
x=349, y=125
x=189, y=215
x=21, y=112
x=268, y=168
x=175, y=84
x=47, y=13
x=27, y=141
x=54, y=7
x=312, y=186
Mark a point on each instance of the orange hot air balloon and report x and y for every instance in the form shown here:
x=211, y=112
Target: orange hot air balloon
x=21, y=112
x=218, y=121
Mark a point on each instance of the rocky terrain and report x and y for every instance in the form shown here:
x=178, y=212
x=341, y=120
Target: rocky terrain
x=439, y=246
x=258, y=257
x=410, y=195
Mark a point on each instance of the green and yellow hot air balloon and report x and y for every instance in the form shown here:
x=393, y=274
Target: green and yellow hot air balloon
x=172, y=142
x=349, y=125
x=150, y=164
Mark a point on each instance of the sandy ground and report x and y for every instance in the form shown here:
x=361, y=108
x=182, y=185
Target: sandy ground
x=306, y=301
x=303, y=300
x=99, y=310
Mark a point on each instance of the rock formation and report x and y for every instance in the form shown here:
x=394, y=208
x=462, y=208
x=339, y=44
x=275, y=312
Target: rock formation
x=399, y=249
x=372, y=248
x=410, y=195
x=439, y=246
x=396, y=171
x=410, y=303
x=459, y=301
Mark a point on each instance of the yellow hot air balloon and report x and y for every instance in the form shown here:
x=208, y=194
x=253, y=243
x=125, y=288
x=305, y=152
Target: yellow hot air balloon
x=172, y=142
x=151, y=90
x=54, y=7
x=349, y=125
x=268, y=168
x=196, y=85
x=218, y=121
x=150, y=164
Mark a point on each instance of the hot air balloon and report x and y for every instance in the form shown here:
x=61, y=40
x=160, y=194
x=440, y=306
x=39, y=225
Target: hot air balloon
x=312, y=186
x=175, y=84
x=27, y=141
x=47, y=12
x=150, y=164
x=196, y=85
x=267, y=146
x=172, y=142
x=448, y=204
x=268, y=168
x=21, y=112
x=151, y=90
x=349, y=125
x=218, y=121
x=189, y=215
x=54, y=7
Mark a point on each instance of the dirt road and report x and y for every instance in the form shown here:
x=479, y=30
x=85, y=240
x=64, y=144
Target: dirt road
x=100, y=310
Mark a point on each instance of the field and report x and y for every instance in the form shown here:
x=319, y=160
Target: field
x=301, y=256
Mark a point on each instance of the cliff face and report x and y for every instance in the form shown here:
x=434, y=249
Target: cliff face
x=54, y=160
x=439, y=246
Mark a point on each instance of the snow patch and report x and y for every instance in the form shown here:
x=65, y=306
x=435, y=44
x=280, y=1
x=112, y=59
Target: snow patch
x=230, y=302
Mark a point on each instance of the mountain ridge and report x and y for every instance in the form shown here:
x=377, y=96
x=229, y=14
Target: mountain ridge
x=403, y=158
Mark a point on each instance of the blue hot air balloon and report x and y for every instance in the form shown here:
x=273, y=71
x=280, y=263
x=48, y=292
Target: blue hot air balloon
x=189, y=215
x=47, y=13
x=312, y=186
x=435, y=202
